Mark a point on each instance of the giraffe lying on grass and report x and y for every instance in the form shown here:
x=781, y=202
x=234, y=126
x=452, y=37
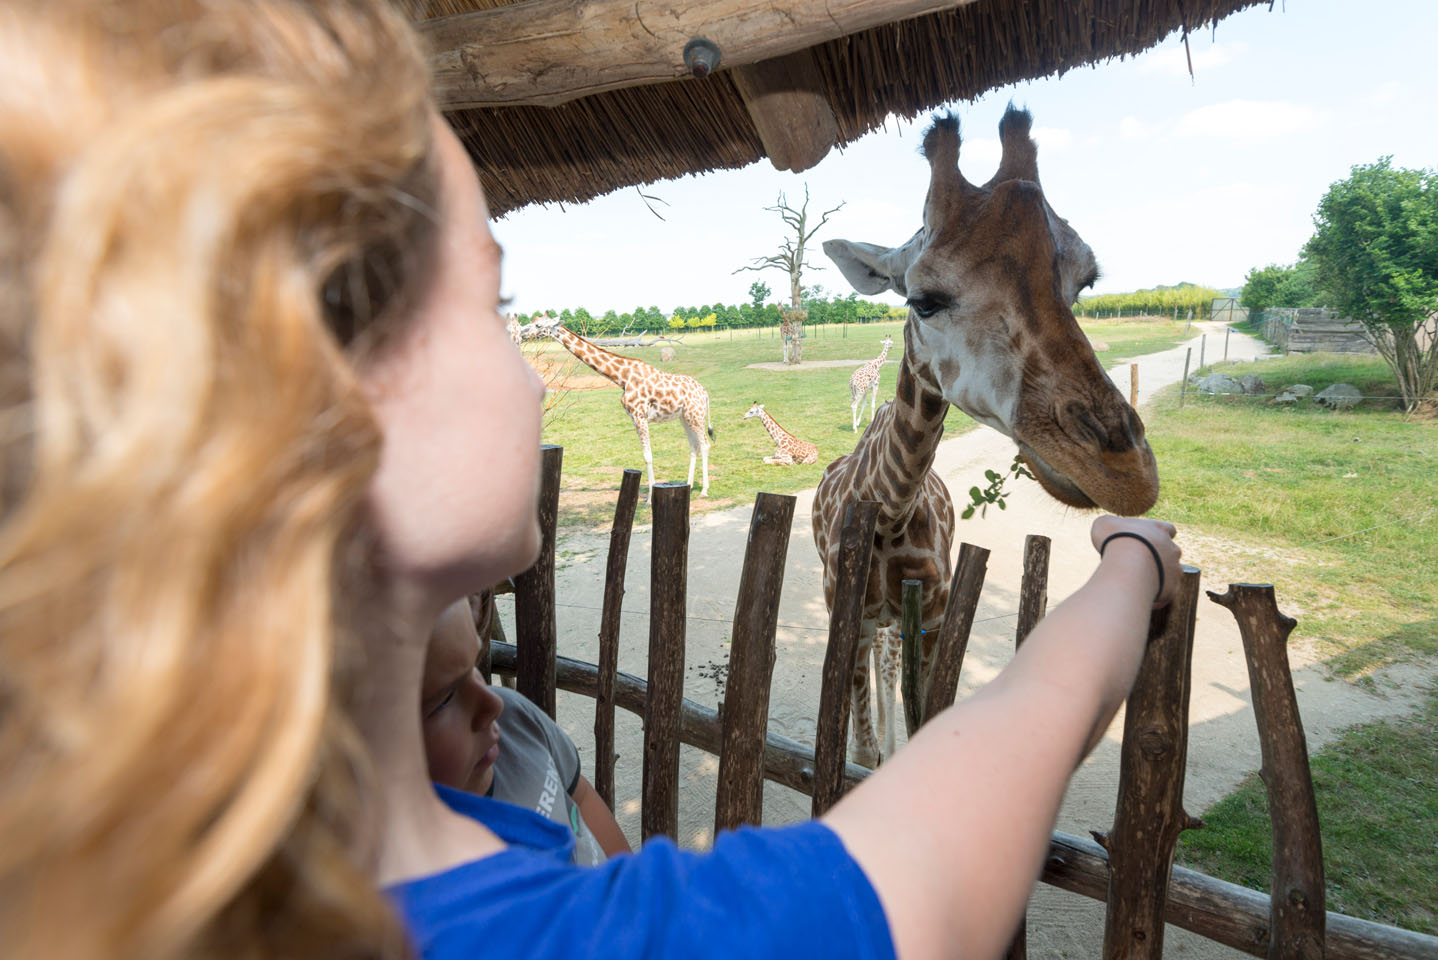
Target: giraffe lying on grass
x=790, y=449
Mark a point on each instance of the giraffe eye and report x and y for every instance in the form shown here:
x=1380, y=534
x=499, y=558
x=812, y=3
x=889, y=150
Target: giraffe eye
x=925, y=305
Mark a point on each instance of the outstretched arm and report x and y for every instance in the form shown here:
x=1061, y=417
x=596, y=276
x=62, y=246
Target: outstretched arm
x=952, y=832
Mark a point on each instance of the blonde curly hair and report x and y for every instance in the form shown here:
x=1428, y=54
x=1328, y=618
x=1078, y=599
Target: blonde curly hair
x=208, y=210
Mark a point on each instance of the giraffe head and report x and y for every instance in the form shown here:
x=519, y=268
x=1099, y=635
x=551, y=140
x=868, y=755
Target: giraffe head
x=990, y=279
x=543, y=325
x=887, y=342
x=757, y=410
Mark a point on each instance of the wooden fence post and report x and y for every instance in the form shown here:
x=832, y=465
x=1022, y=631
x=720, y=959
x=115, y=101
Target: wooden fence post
x=535, y=632
x=739, y=796
x=1296, y=889
x=911, y=627
x=1033, y=603
x=1149, y=815
x=831, y=738
x=949, y=649
x=1133, y=385
x=609, y=635
x=1183, y=384
x=1227, y=332
x=668, y=584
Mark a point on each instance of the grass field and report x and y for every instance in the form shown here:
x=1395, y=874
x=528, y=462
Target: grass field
x=1377, y=795
x=1338, y=510
x=809, y=400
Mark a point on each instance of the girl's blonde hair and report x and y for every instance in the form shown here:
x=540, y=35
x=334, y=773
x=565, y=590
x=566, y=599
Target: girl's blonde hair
x=206, y=208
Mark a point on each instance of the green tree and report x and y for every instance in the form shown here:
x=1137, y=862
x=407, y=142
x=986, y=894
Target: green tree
x=1260, y=287
x=759, y=292
x=1375, y=252
x=1279, y=286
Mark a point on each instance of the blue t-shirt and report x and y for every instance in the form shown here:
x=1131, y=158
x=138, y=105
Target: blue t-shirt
x=780, y=892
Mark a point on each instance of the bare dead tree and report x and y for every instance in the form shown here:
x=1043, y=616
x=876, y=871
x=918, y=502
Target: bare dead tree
x=790, y=259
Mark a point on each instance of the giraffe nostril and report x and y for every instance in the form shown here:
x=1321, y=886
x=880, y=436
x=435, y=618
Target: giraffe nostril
x=1092, y=428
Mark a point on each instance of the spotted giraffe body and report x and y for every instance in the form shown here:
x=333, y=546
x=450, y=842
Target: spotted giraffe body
x=865, y=381
x=648, y=395
x=989, y=278
x=891, y=464
x=789, y=449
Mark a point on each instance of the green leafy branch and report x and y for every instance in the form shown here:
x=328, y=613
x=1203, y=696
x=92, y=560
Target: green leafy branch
x=994, y=493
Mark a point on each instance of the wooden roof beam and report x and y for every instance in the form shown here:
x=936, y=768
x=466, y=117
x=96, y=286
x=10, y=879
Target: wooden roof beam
x=546, y=52
x=789, y=108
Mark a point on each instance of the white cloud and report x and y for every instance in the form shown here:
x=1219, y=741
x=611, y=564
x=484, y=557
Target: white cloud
x=1052, y=138
x=1132, y=128
x=1250, y=119
x=1390, y=91
x=1172, y=61
x=979, y=158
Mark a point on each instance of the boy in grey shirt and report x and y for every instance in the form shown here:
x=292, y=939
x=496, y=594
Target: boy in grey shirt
x=538, y=765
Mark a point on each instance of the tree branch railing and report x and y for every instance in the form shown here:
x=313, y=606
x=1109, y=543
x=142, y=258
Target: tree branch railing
x=1132, y=871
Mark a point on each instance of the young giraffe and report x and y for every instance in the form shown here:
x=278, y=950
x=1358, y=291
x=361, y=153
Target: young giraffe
x=791, y=449
x=989, y=280
x=648, y=396
x=866, y=380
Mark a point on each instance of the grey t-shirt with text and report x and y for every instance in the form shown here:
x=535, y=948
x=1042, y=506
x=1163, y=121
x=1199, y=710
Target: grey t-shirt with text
x=538, y=769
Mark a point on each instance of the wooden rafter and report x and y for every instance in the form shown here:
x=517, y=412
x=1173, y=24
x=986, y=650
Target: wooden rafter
x=546, y=52
x=789, y=109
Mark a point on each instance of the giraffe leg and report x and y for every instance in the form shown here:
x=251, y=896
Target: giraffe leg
x=873, y=399
x=703, y=456
x=865, y=746
x=642, y=426
x=888, y=648
x=854, y=409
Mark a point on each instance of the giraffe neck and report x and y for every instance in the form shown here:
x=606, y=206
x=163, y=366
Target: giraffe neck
x=896, y=452
x=879, y=360
x=621, y=370
x=776, y=432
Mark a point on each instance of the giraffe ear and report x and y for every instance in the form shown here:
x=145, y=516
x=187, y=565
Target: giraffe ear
x=873, y=269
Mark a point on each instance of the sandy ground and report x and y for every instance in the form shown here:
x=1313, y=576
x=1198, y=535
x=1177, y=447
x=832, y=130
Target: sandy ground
x=1223, y=742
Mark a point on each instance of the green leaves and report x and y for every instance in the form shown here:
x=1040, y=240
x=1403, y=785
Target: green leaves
x=994, y=493
x=1375, y=250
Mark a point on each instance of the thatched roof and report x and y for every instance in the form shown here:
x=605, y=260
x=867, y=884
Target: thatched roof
x=664, y=128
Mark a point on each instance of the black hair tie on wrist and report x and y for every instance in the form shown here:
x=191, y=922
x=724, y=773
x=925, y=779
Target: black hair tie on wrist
x=1157, y=562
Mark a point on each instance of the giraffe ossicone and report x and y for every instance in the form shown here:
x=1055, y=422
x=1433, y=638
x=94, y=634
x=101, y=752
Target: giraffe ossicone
x=990, y=279
x=647, y=395
x=789, y=449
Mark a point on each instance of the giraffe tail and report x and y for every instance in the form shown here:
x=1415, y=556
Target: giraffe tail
x=708, y=423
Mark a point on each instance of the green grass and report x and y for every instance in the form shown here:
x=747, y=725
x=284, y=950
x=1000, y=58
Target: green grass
x=1336, y=509
x=1377, y=794
x=810, y=401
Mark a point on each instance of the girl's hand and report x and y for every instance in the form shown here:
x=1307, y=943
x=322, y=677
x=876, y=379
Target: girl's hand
x=1128, y=536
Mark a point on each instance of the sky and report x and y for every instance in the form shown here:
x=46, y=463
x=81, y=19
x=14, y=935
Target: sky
x=1168, y=177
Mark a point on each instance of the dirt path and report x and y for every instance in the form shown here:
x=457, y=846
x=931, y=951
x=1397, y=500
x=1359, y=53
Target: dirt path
x=1223, y=742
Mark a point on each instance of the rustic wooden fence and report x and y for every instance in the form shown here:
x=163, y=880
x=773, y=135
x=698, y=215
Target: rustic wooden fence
x=1129, y=867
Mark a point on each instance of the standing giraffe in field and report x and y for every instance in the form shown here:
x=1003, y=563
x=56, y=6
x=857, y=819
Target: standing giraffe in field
x=865, y=380
x=648, y=396
x=989, y=281
x=790, y=449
